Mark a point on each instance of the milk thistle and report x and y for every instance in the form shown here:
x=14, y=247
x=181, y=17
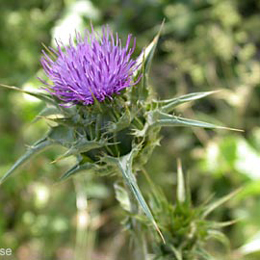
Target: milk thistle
x=104, y=110
x=97, y=67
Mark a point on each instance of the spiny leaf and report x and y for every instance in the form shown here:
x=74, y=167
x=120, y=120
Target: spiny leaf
x=219, y=202
x=49, y=112
x=148, y=53
x=38, y=147
x=125, y=166
x=122, y=123
x=65, y=121
x=143, y=63
x=170, y=104
x=42, y=96
x=52, y=112
x=76, y=169
x=52, y=100
x=61, y=135
x=82, y=146
x=158, y=118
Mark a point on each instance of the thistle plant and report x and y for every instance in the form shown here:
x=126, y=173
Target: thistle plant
x=186, y=228
x=95, y=69
x=104, y=110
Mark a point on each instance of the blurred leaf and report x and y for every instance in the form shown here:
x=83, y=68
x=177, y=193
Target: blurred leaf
x=252, y=246
x=42, y=96
x=77, y=169
x=249, y=190
x=219, y=202
x=168, y=105
x=223, y=224
x=248, y=159
x=218, y=235
x=204, y=254
x=181, y=193
x=38, y=147
x=122, y=197
x=49, y=112
x=228, y=150
x=177, y=253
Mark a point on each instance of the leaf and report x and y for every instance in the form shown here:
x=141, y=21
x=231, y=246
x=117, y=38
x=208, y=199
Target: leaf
x=123, y=122
x=76, y=169
x=49, y=112
x=143, y=63
x=223, y=224
x=158, y=118
x=219, y=236
x=38, y=147
x=82, y=146
x=180, y=183
x=177, y=253
x=49, y=99
x=42, y=96
x=204, y=254
x=219, y=202
x=122, y=197
x=170, y=104
x=65, y=121
x=145, y=59
x=61, y=135
x=56, y=112
x=125, y=166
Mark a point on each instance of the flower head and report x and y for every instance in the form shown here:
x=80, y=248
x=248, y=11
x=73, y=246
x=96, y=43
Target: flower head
x=95, y=67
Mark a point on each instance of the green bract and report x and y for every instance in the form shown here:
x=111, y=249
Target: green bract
x=185, y=227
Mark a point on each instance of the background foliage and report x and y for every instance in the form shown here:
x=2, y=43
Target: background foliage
x=205, y=45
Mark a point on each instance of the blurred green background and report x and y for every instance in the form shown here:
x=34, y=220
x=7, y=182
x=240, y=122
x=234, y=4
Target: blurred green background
x=205, y=45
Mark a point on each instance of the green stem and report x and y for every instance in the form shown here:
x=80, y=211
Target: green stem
x=140, y=245
x=84, y=237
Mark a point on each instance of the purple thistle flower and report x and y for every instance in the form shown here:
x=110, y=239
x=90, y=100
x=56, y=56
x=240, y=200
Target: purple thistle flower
x=95, y=68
